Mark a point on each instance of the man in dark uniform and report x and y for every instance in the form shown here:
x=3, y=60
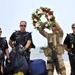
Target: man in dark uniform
x=22, y=37
x=3, y=51
x=69, y=45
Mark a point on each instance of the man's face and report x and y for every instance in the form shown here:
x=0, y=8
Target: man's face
x=73, y=28
x=22, y=26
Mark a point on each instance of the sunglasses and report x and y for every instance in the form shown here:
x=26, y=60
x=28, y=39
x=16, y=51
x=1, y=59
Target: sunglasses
x=73, y=27
x=53, y=26
x=22, y=25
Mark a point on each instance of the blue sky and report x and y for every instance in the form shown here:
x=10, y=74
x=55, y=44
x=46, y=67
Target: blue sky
x=13, y=11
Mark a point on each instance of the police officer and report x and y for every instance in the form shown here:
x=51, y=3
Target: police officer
x=69, y=45
x=22, y=37
x=56, y=38
x=3, y=51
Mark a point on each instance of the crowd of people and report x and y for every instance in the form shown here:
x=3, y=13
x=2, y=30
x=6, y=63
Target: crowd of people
x=18, y=60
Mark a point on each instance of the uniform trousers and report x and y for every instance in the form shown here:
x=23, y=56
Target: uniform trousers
x=50, y=66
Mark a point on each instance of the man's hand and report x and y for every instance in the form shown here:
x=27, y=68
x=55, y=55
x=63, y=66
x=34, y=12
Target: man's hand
x=21, y=50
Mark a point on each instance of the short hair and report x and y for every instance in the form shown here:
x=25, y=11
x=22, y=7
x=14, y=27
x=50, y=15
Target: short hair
x=23, y=21
x=73, y=24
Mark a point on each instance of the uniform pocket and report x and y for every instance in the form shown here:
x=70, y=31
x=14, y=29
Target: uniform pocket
x=60, y=49
x=47, y=51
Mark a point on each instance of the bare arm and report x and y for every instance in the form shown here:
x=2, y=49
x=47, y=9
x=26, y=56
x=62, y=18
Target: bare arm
x=10, y=42
x=66, y=48
x=7, y=53
x=28, y=44
x=43, y=33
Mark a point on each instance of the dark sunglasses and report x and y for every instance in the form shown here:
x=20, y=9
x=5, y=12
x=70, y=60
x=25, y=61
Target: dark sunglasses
x=53, y=26
x=73, y=27
x=23, y=25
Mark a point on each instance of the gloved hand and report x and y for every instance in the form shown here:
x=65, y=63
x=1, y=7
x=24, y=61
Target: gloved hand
x=8, y=61
x=21, y=50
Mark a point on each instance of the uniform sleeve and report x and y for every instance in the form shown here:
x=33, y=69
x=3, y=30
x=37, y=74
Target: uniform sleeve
x=6, y=45
x=29, y=36
x=67, y=41
x=61, y=32
x=44, y=33
x=12, y=37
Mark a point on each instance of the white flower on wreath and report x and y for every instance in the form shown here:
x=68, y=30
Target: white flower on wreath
x=37, y=24
x=46, y=25
x=49, y=16
x=35, y=20
x=40, y=11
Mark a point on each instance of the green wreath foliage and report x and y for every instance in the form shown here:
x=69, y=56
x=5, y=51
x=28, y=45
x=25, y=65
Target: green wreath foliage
x=36, y=18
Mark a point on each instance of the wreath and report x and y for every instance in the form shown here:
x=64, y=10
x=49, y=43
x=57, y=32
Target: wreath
x=38, y=18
